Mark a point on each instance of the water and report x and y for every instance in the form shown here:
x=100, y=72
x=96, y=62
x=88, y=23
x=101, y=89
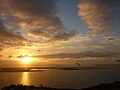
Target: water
x=61, y=78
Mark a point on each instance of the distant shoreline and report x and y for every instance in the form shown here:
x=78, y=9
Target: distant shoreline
x=39, y=69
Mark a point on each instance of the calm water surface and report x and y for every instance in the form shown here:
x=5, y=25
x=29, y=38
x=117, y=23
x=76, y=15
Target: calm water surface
x=61, y=79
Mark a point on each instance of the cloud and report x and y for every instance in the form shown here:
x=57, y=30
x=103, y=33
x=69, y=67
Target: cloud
x=6, y=34
x=34, y=8
x=1, y=49
x=37, y=18
x=99, y=14
x=32, y=14
x=64, y=35
x=92, y=54
x=7, y=37
x=1, y=55
x=39, y=33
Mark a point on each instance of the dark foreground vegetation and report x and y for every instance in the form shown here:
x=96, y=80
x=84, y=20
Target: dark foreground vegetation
x=24, y=87
x=108, y=86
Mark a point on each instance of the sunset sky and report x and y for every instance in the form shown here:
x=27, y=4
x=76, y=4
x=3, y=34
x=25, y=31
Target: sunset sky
x=59, y=29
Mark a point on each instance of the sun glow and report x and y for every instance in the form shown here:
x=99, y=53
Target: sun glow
x=28, y=60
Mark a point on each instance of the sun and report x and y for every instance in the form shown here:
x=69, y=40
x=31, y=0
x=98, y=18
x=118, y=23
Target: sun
x=28, y=60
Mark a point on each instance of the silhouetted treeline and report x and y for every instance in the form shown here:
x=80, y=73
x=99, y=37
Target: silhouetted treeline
x=24, y=87
x=109, y=86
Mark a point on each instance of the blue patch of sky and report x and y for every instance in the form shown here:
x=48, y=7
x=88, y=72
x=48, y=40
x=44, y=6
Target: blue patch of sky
x=68, y=13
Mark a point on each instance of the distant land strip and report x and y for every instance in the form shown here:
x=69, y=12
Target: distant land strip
x=38, y=69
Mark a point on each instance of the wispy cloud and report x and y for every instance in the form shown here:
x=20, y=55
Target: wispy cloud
x=92, y=54
x=99, y=14
x=8, y=37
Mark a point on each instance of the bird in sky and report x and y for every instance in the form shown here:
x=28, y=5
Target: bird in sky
x=111, y=39
x=77, y=64
x=118, y=60
x=10, y=56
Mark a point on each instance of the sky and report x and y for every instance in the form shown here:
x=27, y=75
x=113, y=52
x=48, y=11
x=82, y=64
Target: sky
x=59, y=29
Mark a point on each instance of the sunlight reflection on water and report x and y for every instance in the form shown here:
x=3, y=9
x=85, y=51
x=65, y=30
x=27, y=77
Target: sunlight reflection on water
x=25, y=78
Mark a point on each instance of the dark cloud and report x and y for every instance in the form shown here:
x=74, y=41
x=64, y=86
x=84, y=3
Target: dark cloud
x=64, y=35
x=1, y=55
x=112, y=47
x=7, y=37
x=5, y=34
x=4, y=9
x=40, y=33
x=10, y=56
x=33, y=14
x=38, y=18
x=96, y=54
x=35, y=8
x=99, y=14
x=10, y=40
x=20, y=56
x=0, y=50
